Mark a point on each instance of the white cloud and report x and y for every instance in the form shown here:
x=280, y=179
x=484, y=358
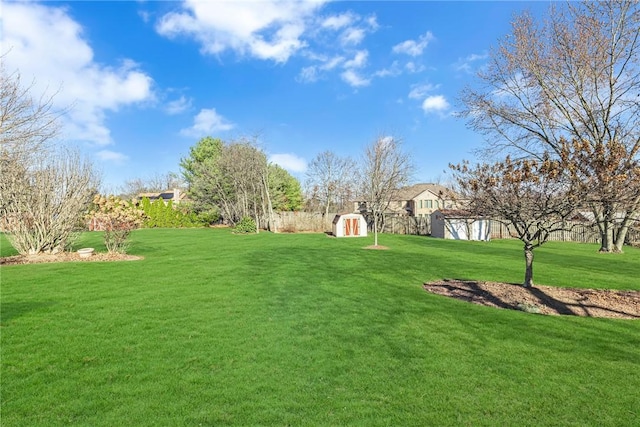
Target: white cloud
x=477, y=57
x=413, y=47
x=352, y=36
x=392, y=71
x=354, y=79
x=467, y=64
x=146, y=16
x=284, y=44
x=308, y=75
x=337, y=22
x=332, y=63
x=269, y=29
x=207, y=122
x=112, y=156
x=44, y=43
x=358, y=61
x=290, y=162
x=178, y=106
x=386, y=140
x=313, y=73
x=412, y=67
x=354, y=28
x=435, y=103
x=420, y=91
x=372, y=21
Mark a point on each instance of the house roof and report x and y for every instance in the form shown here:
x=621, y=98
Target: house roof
x=165, y=195
x=413, y=191
x=148, y=195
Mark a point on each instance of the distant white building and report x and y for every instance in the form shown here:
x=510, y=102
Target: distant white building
x=459, y=225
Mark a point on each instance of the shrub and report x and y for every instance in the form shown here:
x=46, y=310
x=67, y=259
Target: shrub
x=208, y=217
x=246, y=225
x=159, y=214
x=117, y=218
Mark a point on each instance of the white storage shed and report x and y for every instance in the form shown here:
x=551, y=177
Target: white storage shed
x=349, y=225
x=459, y=225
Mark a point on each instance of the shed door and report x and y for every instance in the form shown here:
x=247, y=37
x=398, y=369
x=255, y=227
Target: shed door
x=355, y=226
x=347, y=226
x=351, y=227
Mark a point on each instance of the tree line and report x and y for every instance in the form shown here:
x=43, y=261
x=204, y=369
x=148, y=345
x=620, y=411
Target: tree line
x=233, y=180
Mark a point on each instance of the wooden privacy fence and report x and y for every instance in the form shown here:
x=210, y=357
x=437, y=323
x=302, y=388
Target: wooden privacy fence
x=290, y=222
x=317, y=222
x=407, y=225
x=575, y=232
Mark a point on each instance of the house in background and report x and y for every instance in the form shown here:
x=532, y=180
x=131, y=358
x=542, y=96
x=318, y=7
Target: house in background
x=418, y=200
x=175, y=195
x=349, y=225
x=421, y=200
x=459, y=225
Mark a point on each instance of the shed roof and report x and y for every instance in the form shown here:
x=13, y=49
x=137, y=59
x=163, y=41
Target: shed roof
x=340, y=215
x=458, y=213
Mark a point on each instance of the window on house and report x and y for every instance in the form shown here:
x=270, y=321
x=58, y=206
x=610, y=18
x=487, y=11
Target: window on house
x=429, y=203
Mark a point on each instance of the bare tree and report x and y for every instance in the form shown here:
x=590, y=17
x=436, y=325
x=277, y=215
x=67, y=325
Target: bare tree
x=609, y=177
x=532, y=197
x=154, y=183
x=330, y=180
x=26, y=125
x=573, y=77
x=44, y=190
x=44, y=202
x=386, y=168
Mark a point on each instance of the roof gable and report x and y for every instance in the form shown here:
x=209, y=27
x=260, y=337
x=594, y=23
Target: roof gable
x=413, y=191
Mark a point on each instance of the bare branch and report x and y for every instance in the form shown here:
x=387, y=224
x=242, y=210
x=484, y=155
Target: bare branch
x=574, y=77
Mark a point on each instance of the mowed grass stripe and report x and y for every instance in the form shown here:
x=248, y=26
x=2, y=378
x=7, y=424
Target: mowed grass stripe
x=213, y=328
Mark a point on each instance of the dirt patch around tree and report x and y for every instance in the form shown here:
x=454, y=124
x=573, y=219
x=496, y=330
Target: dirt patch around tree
x=542, y=299
x=376, y=247
x=65, y=257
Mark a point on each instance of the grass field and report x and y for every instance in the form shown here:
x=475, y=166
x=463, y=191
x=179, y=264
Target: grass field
x=219, y=329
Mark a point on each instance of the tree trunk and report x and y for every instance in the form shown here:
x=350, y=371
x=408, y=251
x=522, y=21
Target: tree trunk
x=622, y=231
x=272, y=224
x=528, y=259
x=606, y=236
x=605, y=222
x=326, y=208
x=375, y=230
x=620, y=238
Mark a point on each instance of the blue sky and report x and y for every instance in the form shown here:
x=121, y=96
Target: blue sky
x=144, y=81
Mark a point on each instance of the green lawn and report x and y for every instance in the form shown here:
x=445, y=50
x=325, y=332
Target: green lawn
x=219, y=329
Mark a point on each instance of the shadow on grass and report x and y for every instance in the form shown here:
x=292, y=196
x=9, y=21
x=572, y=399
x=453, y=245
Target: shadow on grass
x=579, y=308
x=579, y=305
x=11, y=310
x=472, y=292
